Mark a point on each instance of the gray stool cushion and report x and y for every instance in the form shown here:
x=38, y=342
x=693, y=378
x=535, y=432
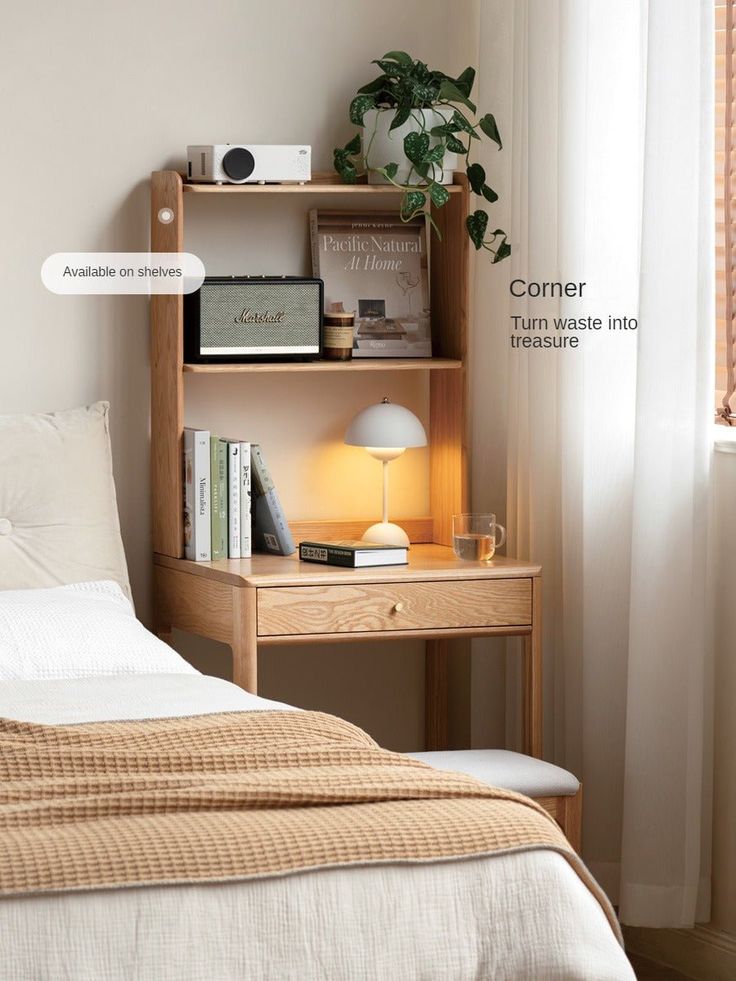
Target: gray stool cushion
x=511, y=771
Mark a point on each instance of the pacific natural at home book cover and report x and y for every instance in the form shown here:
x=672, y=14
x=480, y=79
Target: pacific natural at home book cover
x=374, y=263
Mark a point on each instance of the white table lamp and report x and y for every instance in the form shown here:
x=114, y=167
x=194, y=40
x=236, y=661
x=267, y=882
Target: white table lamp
x=385, y=431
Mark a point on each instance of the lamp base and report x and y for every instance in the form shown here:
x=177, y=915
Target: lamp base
x=386, y=533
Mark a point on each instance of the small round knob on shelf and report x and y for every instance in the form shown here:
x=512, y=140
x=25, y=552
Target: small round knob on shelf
x=398, y=607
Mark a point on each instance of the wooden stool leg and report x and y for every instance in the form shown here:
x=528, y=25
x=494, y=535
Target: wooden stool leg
x=570, y=818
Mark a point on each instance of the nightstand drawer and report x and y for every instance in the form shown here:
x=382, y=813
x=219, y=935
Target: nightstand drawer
x=375, y=607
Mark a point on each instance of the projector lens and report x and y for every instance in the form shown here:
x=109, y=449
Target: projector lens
x=238, y=163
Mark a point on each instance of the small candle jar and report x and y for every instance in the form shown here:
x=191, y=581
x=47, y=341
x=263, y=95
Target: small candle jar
x=337, y=335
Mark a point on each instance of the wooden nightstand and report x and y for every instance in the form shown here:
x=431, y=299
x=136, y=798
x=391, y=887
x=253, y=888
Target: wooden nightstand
x=266, y=600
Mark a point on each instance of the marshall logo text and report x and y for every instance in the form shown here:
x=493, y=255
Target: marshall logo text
x=249, y=317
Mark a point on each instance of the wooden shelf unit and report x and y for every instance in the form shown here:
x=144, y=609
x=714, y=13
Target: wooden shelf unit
x=231, y=601
x=449, y=301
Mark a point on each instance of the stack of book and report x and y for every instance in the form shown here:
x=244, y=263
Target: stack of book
x=231, y=506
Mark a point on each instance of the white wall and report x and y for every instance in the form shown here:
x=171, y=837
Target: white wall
x=94, y=97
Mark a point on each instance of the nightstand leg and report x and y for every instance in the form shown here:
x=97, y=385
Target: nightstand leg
x=244, y=642
x=533, y=677
x=436, y=694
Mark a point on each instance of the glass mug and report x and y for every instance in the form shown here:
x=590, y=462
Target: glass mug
x=475, y=537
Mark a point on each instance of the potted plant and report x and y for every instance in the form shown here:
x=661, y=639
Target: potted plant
x=416, y=124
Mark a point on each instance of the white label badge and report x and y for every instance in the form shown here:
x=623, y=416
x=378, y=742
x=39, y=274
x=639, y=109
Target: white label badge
x=149, y=273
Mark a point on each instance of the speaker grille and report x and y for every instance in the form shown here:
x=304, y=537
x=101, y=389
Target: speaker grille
x=291, y=309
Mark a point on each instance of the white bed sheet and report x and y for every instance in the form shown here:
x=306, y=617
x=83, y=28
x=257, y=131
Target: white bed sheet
x=511, y=916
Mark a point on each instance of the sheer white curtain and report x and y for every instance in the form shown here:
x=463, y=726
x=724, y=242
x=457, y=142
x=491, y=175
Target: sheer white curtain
x=609, y=445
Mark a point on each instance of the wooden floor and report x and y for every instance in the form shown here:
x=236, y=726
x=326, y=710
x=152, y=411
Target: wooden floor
x=649, y=971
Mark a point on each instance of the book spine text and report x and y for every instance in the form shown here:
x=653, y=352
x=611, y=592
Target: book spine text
x=218, y=502
x=233, y=484
x=245, y=517
x=327, y=556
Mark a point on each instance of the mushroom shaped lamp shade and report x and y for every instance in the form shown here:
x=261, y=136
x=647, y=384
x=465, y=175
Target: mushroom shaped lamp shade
x=385, y=431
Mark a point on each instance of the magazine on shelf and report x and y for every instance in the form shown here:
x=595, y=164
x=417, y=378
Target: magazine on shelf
x=375, y=264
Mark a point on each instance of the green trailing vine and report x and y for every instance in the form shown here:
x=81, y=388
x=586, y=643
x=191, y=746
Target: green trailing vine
x=404, y=87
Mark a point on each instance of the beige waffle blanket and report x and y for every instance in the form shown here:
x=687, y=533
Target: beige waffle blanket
x=235, y=796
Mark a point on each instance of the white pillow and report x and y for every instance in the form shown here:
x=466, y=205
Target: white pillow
x=78, y=631
x=58, y=514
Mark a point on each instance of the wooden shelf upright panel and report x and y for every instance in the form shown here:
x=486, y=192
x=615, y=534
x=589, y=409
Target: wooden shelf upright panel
x=450, y=306
x=447, y=662
x=167, y=381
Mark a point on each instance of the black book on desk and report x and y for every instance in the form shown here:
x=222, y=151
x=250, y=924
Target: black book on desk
x=353, y=554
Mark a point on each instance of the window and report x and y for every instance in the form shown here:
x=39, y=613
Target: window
x=725, y=214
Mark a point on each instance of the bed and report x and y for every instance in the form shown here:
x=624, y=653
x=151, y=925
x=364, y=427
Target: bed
x=75, y=663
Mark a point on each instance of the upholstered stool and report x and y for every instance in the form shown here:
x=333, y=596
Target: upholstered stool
x=557, y=790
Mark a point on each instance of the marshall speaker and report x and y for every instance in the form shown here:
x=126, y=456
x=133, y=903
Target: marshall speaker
x=253, y=318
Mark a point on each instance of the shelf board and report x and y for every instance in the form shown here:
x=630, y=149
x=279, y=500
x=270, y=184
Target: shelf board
x=321, y=183
x=357, y=364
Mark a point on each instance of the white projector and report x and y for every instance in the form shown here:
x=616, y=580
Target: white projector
x=242, y=163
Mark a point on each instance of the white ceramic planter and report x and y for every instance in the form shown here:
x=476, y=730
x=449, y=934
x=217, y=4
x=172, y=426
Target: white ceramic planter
x=383, y=147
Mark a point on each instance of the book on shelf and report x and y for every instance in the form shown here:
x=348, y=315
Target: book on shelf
x=374, y=263
x=231, y=506
x=218, y=497
x=245, y=491
x=197, y=530
x=269, y=526
x=233, y=498
x=353, y=554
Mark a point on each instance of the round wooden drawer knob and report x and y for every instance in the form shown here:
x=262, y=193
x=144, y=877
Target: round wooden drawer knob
x=398, y=607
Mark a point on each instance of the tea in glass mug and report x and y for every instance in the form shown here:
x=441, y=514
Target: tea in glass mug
x=475, y=537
